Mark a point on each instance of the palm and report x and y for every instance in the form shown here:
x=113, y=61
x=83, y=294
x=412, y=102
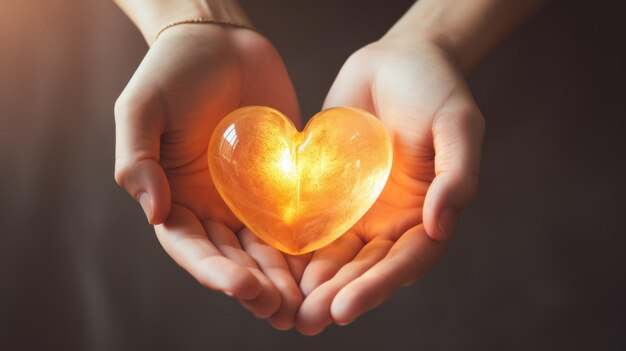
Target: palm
x=397, y=209
x=195, y=107
x=389, y=247
x=410, y=121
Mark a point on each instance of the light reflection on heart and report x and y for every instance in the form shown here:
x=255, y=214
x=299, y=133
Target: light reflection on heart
x=298, y=191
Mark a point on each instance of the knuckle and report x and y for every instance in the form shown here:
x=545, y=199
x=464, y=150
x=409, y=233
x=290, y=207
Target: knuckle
x=130, y=106
x=123, y=171
x=354, y=58
x=473, y=184
x=474, y=120
x=120, y=174
x=480, y=123
x=363, y=55
x=121, y=107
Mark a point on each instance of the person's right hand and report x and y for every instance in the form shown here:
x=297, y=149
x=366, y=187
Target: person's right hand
x=191, y=78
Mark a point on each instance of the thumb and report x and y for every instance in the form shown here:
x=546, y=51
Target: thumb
x=351, y=87
x=457, y=138
x=138, y=129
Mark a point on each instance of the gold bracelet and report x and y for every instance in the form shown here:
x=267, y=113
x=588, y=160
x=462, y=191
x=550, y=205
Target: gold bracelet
x=204, y=20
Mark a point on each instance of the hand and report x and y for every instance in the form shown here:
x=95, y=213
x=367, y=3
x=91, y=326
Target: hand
x=193, y=76
x=418, y=91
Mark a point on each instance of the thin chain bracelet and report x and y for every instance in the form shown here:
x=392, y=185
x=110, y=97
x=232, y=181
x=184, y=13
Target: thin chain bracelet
x=203, y=20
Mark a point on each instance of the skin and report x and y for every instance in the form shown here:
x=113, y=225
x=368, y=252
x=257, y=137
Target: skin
x=413, y=79
x=437, y=135
x=164, y=119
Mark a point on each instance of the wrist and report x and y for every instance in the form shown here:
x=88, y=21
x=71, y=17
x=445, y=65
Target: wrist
x=420, y=29
x=423, y=40
x=151, y=17
x=467, y=30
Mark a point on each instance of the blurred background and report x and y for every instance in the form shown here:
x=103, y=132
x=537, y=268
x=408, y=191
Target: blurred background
x=538, y=261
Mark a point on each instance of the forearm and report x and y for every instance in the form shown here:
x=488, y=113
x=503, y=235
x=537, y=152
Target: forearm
x=151, y=15
x=469, y=29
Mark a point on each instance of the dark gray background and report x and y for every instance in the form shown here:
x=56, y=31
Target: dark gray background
x=538, y=262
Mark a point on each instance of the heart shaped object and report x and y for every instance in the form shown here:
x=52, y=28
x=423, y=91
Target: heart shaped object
x=298, y=191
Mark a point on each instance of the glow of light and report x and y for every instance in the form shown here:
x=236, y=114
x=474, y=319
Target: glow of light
x=286, y=163
x=299, y=191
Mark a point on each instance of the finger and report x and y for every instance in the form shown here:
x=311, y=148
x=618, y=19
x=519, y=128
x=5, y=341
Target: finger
x=138, y=128
x=314, y=314
x=275, y=267
x=297, y=264
x=184, y=239
x=457, y=137
x=227, y=243
x=408, y=259
x=327, y=261
x=268, y=300
x=351, y=87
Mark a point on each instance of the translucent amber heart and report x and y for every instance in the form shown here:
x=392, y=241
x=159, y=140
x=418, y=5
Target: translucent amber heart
x=298, y=191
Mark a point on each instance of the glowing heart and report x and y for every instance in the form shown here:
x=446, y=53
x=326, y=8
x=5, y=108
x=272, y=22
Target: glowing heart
x=298, y=191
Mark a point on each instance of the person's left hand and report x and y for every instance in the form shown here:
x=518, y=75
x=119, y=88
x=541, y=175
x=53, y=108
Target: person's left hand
x=417, y=90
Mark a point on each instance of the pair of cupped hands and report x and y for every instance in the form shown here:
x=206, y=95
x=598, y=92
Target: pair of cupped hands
x=194, y=75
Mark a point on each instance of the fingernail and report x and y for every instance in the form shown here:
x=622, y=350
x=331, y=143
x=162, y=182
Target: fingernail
x=345, y=323
x=279, y=327
x=447, y=221
x=146, y=204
